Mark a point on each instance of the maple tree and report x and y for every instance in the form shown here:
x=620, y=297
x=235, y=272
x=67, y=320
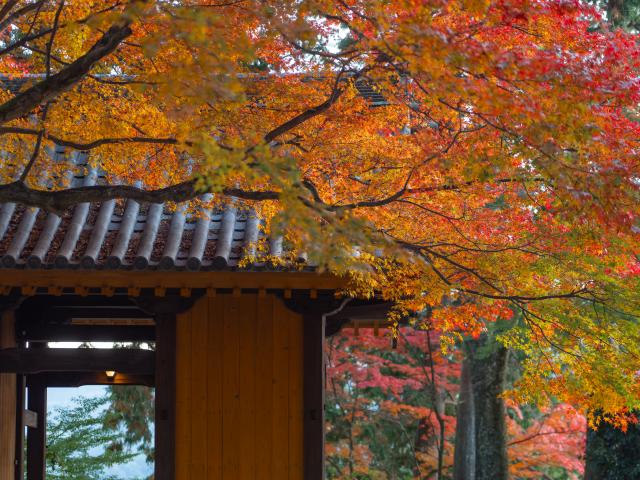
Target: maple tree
x=383, y=419
x=495, y=174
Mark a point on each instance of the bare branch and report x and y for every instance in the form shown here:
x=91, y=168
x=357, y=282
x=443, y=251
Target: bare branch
x=93, y=144
x=60, y=200
x=6, y=8
x=17, y=14
x=51, y=87
x=34, y=157
x=307, y=114
x=54, y=30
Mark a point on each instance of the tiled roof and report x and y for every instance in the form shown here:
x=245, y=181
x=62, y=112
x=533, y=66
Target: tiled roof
x=127, y=234
x=16, y=84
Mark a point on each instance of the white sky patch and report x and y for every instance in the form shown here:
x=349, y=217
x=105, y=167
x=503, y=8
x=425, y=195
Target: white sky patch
x=144, y=346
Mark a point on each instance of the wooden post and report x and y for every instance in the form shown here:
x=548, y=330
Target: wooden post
x=37, y=437
x=19, y=442
x=165, y=397
x=313, y=388
x=319, y=317
x=7, y=400
x=165, y=308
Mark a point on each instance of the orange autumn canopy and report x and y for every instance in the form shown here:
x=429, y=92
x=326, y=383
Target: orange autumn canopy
x=491, y=173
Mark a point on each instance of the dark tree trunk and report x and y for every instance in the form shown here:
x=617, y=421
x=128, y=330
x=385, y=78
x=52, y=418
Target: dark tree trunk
x=464, y=461
x=489, y=360
x=613, y=454
x=481, y=444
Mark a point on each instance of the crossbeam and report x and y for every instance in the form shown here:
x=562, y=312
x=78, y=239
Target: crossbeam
x=30, y=361
x=78, y=379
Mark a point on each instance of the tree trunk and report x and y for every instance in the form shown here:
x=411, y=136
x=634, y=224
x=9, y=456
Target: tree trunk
x=481, y=441
x=464, y=461
x=613, y=454
x=489, y=360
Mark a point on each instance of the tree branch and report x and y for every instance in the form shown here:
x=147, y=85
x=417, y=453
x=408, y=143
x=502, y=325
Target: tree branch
x=307, y=114
x=93, y=144
x=4, y=22
x=48, y=89
x=6, y=8
x=60, y=200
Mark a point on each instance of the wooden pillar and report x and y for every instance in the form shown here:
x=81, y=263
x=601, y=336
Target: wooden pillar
x=165, y=309
x=19, y=438
x=165, y=397
x=313, y=392
x=314, y=313
x=7, y=401
x=37, y=437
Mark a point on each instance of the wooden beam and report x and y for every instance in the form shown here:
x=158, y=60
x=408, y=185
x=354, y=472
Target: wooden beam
x=78, y=379
x=313, y=393
x=165, y=398
x=30, y=361
x=127, y=279
x=46, y=309
x=37, y=437
x=360, y=315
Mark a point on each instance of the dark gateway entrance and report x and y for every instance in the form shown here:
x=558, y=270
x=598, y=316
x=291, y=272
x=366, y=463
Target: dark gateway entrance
x=235, y=339
x=68, y=318
x=256, y=352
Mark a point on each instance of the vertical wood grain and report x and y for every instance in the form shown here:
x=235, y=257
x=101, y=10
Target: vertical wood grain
x=264, y=388
x=248, y=400
x=183, y=390
x=280, y=446
x=240, y=390
x=198, y=397
x=7, y=401
x=214, y=388
x=231, y=391
x=295, y=398
x=21, y=395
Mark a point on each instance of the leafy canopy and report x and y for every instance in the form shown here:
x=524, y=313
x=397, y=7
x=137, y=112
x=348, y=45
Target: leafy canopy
x=499, y=175
x=79, y=447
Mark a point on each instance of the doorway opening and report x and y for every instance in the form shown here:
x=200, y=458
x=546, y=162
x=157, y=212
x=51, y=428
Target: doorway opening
x=99, y=431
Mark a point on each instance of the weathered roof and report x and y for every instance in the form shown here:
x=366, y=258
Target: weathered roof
x=16, y=84
x=129, y=235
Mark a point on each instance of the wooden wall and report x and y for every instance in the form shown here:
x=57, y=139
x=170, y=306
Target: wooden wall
x=239, y=390
x=7, y=402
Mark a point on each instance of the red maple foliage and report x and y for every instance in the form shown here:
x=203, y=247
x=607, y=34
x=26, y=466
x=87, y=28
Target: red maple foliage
x=390, y=411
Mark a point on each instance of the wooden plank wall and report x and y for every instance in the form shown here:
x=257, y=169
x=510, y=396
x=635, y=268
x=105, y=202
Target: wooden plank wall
x=239, y=404
x=7, y=402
